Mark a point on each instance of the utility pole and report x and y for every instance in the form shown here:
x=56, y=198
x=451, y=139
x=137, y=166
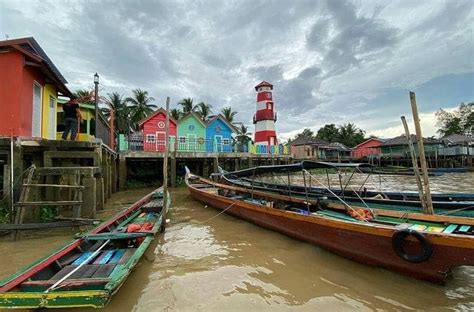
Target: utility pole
x=96, y=102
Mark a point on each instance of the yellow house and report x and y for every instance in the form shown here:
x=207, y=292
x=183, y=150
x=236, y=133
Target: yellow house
x=86, y=126
x=48, y=107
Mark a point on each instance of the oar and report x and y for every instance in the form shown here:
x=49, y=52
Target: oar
x=55, y=285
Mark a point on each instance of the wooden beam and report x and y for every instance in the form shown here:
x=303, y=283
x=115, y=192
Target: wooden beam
x=37, y=226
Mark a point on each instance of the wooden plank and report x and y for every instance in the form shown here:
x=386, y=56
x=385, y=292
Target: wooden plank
x=116, y=257
x=63, y=272
x=128, y=253
x=51, y=171
x=69, y=259
x=56, y=185
x=49, y=203
x=82, y=258
x=106, y=236
x=104, y=271
x=36, y=226
x=107, y=256
x=450, y=228
x=85, y=272
x=68, y=282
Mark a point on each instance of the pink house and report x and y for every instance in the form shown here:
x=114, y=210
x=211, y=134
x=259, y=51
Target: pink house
x=366, y=148
x=154, y=131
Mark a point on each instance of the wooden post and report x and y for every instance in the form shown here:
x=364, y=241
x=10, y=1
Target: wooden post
x=421, y=151
x=167, y=148
x=415, y=165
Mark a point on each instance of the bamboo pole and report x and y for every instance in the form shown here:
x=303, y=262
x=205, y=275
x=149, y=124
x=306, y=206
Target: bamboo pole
x=421, y=151
x=415, y=165
x=165, y=160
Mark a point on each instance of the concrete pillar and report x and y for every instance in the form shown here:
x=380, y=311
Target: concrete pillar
x=205, y=168
x=273, y=160
x=250, y=160
x=215, y=165
x=89, y=197
x=173, y=172
x=122, y=173
x=100, y=198
x=236, y=164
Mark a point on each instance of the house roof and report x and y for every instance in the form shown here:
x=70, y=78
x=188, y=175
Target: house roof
x=458, y=139
x=338, y=146
x=305, y=140
x=29, y=47
x=219, y=116
x=401, y=140
x=195, y=116
x=368, y=140
x=160, y=110
x=264, y=84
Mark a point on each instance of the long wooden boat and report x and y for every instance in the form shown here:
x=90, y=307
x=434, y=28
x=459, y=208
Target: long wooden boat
x=422, y=246
x=90, y=269
x=457, y=204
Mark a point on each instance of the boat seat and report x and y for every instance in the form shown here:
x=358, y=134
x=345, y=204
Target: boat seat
x=69, y=259
x=69, y=282
x=464, y=229
x=451, y=228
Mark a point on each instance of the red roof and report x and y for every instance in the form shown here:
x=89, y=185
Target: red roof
x=264, y=84
x=31, y=48
x=160, y=110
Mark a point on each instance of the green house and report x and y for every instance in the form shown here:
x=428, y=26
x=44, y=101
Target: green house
x=191, y=134
x=398, y=147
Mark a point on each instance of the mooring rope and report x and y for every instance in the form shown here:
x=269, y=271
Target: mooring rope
x=339, y=198
x=218, y=213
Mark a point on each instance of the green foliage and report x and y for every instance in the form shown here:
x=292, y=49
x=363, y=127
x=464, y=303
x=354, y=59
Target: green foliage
x=305, y=133
x=4, y=212
x=203, y=110
x=47, y=214
x=176, y=113
x=187, y=105
x=140, y=106
x=121, y=111
x=347, y=134
x=243, y=136
x=328, y=133
x=228, y=114
x=460, y=121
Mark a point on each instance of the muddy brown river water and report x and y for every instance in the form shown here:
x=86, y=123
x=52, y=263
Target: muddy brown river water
x=227, y=264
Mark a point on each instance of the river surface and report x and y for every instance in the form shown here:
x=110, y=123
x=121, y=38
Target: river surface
x=207, y=261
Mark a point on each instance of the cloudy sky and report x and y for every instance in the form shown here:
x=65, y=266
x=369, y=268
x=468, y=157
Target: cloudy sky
x=330, y=61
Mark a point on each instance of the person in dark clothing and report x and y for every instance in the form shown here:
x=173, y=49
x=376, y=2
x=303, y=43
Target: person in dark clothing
x=72, y=115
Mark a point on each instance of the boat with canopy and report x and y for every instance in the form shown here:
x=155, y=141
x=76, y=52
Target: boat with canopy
x=422, y=246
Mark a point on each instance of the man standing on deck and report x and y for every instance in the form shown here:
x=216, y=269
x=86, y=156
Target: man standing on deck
x=72, y=116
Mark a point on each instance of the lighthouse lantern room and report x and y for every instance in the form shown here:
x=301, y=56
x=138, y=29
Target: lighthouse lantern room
x=265, y=117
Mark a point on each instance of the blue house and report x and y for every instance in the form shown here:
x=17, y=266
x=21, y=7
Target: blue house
x=219, y=135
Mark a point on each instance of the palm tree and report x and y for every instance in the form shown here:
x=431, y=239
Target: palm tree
x=187, y=105
x=83, y=93
x=176, y=113
x=242, y=135
x=228, y=114
x=203, y=110
x=121, y=110
x=140, y=106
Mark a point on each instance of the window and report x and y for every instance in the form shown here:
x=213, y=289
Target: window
x=150, y=138
x=182, y=139
x=226, y=141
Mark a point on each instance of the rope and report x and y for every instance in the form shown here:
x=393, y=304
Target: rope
x=217, y=214
x=456, y=210
x=334, y=194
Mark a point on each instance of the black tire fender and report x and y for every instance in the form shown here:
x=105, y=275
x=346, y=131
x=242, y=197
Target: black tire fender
x=397, y=243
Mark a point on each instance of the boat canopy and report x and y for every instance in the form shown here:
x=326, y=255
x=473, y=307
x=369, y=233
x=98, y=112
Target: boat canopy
x=306, y=164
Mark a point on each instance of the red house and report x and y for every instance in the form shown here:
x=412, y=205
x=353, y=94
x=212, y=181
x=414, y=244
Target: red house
x=29, y=89
x=366, y=148
x=154, y=131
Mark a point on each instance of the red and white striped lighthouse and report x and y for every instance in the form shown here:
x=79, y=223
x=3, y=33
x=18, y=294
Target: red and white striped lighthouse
x=265, y=117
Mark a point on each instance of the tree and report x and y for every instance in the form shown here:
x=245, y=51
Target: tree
x=460, y=121
x=140, y=106
x=243, y=136
x=84, y=96
x=176, y=113
x=121, y=110
x=187, y=105
x=203, y=110
x=350, y=135
x=305, y=133
x=228, y=114
x=328, y=133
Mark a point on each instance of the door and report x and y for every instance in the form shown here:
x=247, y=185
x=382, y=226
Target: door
x=160, y=141
x=218, y=143
x=52, y=118
x=272, y=141
x=191, y=142
x=36, y=111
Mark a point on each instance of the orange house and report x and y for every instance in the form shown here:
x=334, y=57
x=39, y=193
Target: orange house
x=29, y=88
